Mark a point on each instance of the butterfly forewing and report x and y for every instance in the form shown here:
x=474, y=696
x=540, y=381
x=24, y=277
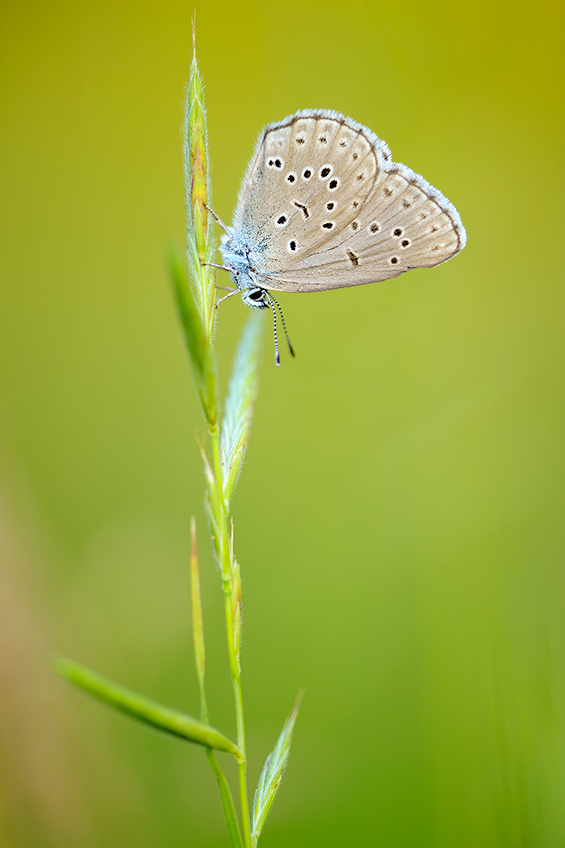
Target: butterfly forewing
x=309, y=178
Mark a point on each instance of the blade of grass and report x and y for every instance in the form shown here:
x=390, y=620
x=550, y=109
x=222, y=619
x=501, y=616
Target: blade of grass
x=198, y=343
x=201, y=246
x=145, y=710
x=238, y=412
x=228, y=808
x=272, y=774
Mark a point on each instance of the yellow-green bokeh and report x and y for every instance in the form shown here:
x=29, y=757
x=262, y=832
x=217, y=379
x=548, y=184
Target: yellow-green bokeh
x=400, y=514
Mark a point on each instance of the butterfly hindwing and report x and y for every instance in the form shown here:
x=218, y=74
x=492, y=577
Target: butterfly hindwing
x=404, y=224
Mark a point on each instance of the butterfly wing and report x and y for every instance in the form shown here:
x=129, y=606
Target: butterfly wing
x=323, y=206
x=293, y=178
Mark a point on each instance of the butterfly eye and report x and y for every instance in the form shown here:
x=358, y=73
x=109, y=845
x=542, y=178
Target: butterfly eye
x=307, y=174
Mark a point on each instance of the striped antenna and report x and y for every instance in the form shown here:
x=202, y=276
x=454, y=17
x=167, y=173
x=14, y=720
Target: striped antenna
x=271, y=297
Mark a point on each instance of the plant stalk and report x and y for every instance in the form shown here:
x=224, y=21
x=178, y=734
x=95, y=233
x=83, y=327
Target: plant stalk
x=222, y=513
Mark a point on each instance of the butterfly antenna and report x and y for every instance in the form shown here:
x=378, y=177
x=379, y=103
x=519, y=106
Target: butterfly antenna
x=271, y=304
x=291, y=349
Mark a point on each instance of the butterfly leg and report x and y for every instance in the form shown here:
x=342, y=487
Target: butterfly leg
x=217, y=219
x=225, y=297
x=213, y=265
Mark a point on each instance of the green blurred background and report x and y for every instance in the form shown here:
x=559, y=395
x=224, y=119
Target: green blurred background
x=400, y=517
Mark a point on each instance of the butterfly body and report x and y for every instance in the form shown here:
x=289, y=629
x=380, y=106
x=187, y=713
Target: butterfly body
x=239, y=260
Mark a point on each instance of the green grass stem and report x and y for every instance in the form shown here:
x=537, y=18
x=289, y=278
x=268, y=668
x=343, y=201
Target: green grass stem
x=228, y=435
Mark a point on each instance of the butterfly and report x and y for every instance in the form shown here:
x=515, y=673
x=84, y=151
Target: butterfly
x=323, y=206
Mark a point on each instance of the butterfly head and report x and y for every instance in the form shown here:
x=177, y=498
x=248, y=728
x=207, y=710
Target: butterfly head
x=256, y=298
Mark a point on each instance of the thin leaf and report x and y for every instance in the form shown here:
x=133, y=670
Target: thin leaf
x=201, y=246
x=144, y=709
x=272, y=774
x=197, y=622
x=228, y=807
x=242, y=392
x=196, y=160
x=199, y=345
